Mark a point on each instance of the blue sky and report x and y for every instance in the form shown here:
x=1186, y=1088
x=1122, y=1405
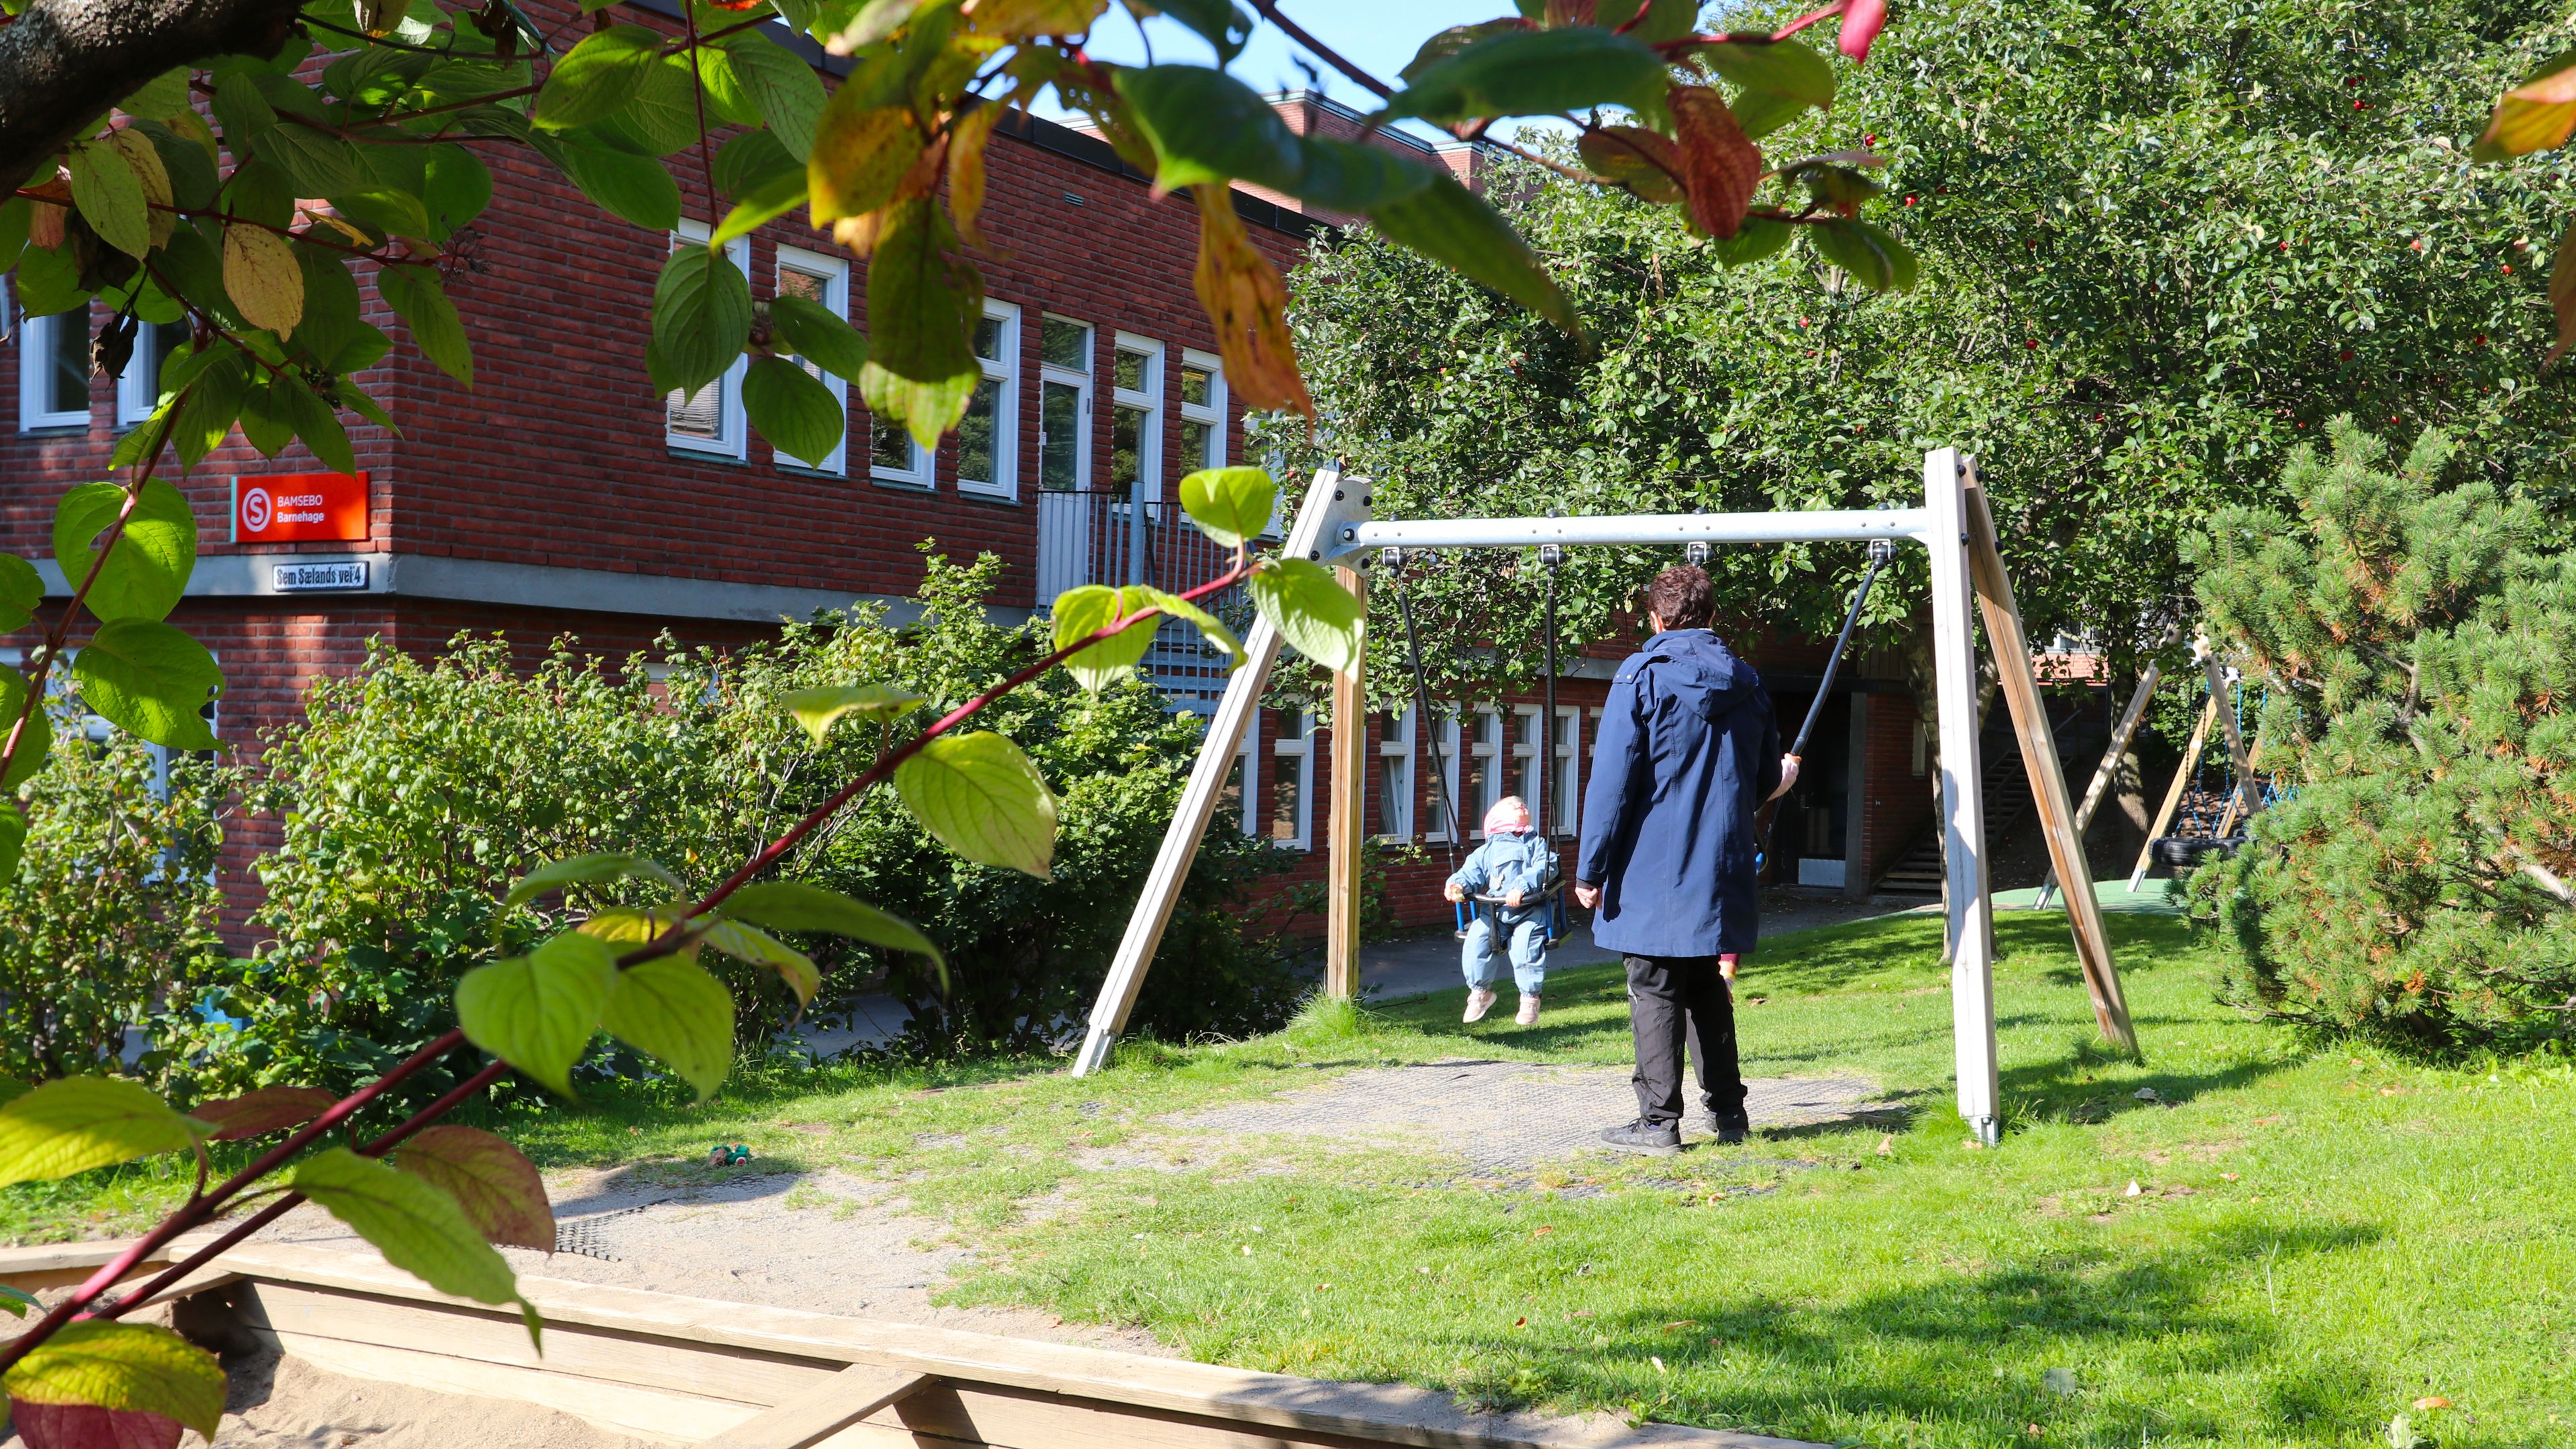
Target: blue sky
x=1378, y=35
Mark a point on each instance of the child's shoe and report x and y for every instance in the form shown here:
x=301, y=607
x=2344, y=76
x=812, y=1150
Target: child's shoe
x=1528, y=1014
x=1479, y=1001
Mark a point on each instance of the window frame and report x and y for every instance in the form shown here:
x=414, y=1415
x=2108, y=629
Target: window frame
x=1300, y=748
x=1212, y=412
x=733, y=427
x=1445, y=740
x=834, y=273
x=1005, y=482
x=1566, y=768
x=138, y=397
x=35, y=359
x=1487, y=746
x=1080, y=381
x=1398, y=748
x=1148, y=400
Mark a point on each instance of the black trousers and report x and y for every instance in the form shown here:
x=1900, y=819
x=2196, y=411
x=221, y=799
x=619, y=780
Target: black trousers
x=1670, y=998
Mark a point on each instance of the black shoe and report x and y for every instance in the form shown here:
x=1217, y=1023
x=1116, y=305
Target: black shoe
x=1729, y=1130
x=1653, y=1140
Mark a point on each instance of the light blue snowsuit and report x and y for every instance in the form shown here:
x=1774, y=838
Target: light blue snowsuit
x=1508, y=861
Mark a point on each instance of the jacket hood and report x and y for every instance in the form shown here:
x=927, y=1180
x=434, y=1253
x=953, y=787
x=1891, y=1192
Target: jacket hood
x=1696, y=659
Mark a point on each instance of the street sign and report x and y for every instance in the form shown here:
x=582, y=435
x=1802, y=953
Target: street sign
x=295, y=507
x=320, y=578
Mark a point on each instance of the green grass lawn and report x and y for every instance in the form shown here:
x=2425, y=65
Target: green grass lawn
x=2320, y=1237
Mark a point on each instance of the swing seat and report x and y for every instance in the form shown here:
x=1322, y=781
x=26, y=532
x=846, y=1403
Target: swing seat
x=1558, y=922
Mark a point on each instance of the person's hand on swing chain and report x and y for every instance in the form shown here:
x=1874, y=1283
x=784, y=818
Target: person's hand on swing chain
x=1512, y=900
x=1788, y=775
x=1453, y=891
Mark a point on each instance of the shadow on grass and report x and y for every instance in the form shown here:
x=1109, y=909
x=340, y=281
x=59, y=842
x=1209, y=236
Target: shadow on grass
x=1966, y=1348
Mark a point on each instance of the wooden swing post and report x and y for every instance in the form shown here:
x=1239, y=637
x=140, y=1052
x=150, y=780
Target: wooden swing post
x=1346, y=831
x=2109, y=769
x=2047, y=775
x=2173, y=792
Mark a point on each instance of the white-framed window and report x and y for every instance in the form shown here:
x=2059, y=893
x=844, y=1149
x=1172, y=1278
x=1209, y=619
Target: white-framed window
x=1523, y=773
x=1202, y=411
x=1136, y=417
x=53, y=371
x=1565, y=772
x=825, y=281
x=1395, y=774
x=138, y=388
x=1292, y=781
x=710, y=420
x=1444, y=759
x=1484, y=767
x=988, y=439
x=1064, y=404
x=1239, y=797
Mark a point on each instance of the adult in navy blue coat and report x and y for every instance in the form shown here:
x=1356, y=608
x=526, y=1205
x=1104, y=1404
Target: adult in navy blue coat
x=1687, y=752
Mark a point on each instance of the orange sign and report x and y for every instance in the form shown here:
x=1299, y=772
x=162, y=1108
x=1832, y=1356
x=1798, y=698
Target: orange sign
x=289, y=507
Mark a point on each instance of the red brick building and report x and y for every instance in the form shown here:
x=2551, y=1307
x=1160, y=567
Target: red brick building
x=561, y=495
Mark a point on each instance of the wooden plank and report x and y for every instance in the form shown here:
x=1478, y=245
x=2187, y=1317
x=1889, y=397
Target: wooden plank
x=1346, y=831
x=831, y=1406
x=1970, y=913
x=1380, y=1413
x=2173, y=792
x=663, y=1417
x=2247, y=793
x=2109, y=769
x=2047, y=776
x=1198, y=800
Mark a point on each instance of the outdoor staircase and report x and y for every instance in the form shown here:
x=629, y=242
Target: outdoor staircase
x=2006, y=788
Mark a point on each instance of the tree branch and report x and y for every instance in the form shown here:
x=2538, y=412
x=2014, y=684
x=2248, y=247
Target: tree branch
x=63, y=63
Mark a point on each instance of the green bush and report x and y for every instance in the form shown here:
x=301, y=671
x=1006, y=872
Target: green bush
x=2415, y=649
x=111, y=916
x=416, y=791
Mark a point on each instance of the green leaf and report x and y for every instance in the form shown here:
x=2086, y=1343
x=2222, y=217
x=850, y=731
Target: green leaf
x=819, y=708
x=924, y=409
x=21, y=590
x=1759, y=237
x=1875, y=259
x=160, y=98
x=265, y=424
x=73, y=1124
x=38, y=739
x=787, y=905
x=663, y=116
x=317, y=422
x=633, y=188
x=1455, y=39
x=859, y=156
x=701, y=316
x=750, y=159
x=125, y=1368
x=331, y=322
x=13, y=841
x=919, y=305
x=17, y=1301
x=110, y=196
x=1311, y=610
x=1206, y=126
x=782, y=85
x=1211, y=627
x=1230, y=505
x=1533, y=72
x=455, y=188
x=1453, y=226
x=417, y=298
x=673, y=1010
x=763, y=204
x=596, y=869
x=980, y=797
x=319, y=163
x=384, y=209
x=793, y=410
x=417, y=1226
x=150, y=680
x=269, y=1109
x=743, y=943
x=497, y=1187
x=814, y=332
x=1222, y=23
x=538, y=1011
x=598, y=77
x=48, y=283
x=1081, y=612
x=15, y=214
x=1783, y=67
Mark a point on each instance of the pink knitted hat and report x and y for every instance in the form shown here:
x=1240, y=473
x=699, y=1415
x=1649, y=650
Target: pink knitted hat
x=1508, y=814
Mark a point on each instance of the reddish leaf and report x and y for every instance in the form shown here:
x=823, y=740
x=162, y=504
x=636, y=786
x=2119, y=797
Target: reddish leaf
x=83, y=1426
x=1561, y=13
x=1636, y=158
x=1862, y=20
x=1719, y=167
x=1249, y=305
x=499, y=1189
x=266, y=1110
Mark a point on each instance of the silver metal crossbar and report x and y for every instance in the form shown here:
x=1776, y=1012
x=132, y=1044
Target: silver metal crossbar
x=1831, y=525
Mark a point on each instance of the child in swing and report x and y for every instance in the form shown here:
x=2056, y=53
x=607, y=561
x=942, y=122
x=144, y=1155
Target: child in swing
x=1517, y=864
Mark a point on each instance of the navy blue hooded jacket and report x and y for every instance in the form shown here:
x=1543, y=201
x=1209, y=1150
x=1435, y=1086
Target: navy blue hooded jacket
x=1686, y=753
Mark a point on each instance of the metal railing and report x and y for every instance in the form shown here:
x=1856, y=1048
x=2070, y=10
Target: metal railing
x=1112, y=538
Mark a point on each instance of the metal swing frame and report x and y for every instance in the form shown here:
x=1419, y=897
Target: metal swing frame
x=1335, y=526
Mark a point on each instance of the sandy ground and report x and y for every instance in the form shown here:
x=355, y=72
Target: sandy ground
x=289, y=1404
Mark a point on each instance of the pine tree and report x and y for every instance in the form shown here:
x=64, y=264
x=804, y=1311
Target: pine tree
x=2415, y=647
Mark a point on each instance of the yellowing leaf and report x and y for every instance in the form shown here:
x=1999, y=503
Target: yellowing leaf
x=497, y=1187
x=1311, y=610
x=1209, y=625
x=1233, y=506
x=980, y=797
x=2537, y=115
x=537, y=1012
x=821, y=707
x=1248, y=303
x=786, y=905
x=859, y=157
x=262, y=278
x=73, y=1124
x=758, y=948
x=269, y=1109
x=126, y=1368
x=966, y=141
x=675, y=1012
x=110, y=196
x=1085, y=611
x=148, y=169
x=417, y=1226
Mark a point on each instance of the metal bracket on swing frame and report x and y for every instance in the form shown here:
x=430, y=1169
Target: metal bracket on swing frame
x=1334, y=526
